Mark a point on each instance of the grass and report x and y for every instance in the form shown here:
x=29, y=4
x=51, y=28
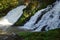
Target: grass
x=48, y=35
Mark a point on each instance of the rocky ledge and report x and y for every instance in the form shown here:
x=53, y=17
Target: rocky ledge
x=10, y=37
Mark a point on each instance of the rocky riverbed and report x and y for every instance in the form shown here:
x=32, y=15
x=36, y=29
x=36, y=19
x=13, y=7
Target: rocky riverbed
x=12, y=36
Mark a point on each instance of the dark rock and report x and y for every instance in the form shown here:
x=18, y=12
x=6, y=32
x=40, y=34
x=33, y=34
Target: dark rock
x=43, y=29
x=59, y=17
x=51, y=16
x=11, y=37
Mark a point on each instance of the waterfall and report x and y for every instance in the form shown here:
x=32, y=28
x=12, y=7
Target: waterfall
x=14, y=14
x=33, y=19
x=50, y=20
x=11, y=17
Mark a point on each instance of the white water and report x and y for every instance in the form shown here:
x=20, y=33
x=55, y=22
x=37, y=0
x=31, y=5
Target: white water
x=52, y=23
x=47, y=20
x=11, y=17
x=32, y=20
x=14, y=14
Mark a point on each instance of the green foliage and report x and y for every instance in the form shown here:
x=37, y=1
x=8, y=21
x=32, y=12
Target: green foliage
x=6, y=6
x=49, y=35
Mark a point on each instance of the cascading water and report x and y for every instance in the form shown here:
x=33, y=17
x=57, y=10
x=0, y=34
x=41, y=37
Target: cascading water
x=33, y=19
x=11, y=17
x=50, y=20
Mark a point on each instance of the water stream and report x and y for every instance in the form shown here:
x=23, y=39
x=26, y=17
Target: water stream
x=11, y=17
x=50, y=20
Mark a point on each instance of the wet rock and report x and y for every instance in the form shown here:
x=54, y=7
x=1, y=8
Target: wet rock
x=10, y=37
